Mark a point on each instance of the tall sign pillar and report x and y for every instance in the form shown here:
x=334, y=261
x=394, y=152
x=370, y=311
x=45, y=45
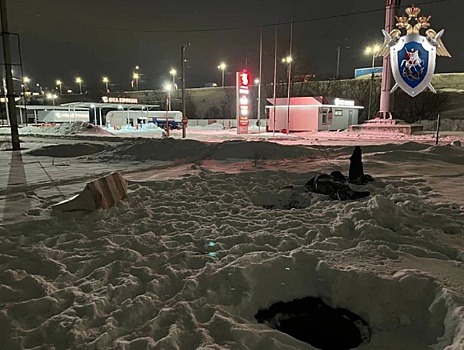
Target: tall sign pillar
x=385, y=106
x=243, y=101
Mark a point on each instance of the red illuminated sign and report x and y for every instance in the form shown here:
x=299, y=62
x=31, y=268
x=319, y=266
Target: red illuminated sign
x=244, y=79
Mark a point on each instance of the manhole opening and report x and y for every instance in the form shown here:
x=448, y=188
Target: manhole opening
x=316, y=323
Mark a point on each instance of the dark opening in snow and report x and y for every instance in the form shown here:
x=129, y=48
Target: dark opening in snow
x=314, y=322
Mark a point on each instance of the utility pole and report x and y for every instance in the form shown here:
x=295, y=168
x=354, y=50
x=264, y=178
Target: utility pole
x=259, y=82
x=341, y=45
x=184, y=116
x=9, y=78
x=289, y=68
x=274, y=83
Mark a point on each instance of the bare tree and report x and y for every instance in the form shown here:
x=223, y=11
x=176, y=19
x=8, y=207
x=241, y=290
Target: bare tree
x=228, y=106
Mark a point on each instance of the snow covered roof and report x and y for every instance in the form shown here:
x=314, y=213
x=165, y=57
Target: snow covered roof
x=47, y=108
x=126, y=106
x=313, y=102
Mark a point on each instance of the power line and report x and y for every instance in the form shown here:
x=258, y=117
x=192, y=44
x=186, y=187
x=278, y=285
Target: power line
x=223, y=29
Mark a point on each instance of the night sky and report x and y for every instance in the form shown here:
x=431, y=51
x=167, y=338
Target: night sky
x=62, y=39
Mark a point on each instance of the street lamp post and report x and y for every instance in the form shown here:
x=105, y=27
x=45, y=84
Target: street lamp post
x=184, y=116
x=371, y=50
x=135, y=77
x=79, y=82
x=59, y=83
x=167, y=88
x=26, y=82
x=106, y=81
x=339, y=48
x=288, y=60
x=258, y=113
x=40, y=88
x=173, y=72
x=222, y=67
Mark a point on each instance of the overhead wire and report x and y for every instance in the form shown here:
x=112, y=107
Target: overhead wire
x=222, y=29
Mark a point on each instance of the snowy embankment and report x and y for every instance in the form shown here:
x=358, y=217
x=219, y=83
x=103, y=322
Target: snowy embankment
x=187, y=261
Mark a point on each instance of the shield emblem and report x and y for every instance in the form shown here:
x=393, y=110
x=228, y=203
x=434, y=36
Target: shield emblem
x=413, y=63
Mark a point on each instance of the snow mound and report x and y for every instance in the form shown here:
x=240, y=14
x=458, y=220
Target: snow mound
x=67, y=151
x=65, y=129
x=159, y=149
x=443, y=153
x=213, y=126
x=170, y=149
x=187, y=264
x=259, y=150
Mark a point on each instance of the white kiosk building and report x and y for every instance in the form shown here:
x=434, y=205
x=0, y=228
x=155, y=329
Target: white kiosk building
x=311, y=114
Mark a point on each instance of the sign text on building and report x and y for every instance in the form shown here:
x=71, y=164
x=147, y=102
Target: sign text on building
x=107, y=99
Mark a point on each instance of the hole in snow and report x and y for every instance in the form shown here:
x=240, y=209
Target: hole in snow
x=316, y=323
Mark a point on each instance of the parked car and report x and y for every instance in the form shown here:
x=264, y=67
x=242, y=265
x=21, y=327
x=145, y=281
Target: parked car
x=173, y=123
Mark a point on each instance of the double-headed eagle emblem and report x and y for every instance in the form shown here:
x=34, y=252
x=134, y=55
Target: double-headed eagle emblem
x=413, y=55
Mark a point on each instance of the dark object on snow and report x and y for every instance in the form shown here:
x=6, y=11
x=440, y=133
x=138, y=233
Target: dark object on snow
x=356, y=174
x=338, y=176
x=356, y=165
x=334, y=186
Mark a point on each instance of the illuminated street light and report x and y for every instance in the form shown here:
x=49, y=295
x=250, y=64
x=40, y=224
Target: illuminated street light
x=59, y=83
x=40, y=88
x=287, y=59
x=222, y=67
x=371, y=50
x=173, y=72
x=52, y=97
x=256, y=81
x=136, y=77
x=106, y=81
x=79, y=82
x=167, y=86
x=26, y=82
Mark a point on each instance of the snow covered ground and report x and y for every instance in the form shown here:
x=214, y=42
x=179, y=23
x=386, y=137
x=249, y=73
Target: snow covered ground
x=193, y=253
